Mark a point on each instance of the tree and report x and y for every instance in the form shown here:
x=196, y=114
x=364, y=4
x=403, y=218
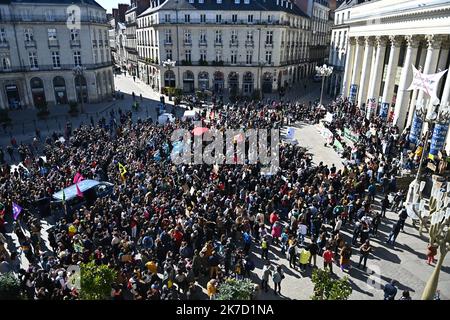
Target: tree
x=9, y=287
x=439, y=236
x=96, y=281
x=326, y=288
x=234, y=289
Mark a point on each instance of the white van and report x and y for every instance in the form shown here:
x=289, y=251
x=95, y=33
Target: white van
x=190, y=115
x=166, y=118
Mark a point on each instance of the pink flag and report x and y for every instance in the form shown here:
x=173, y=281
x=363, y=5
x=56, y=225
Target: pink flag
x=79, y=193
x=78, y=178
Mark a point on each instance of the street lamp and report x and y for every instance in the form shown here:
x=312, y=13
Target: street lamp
x=78, y=71
x=169, y=65
x=323, y=71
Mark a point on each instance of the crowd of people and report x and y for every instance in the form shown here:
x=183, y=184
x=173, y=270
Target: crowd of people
x=166, y=228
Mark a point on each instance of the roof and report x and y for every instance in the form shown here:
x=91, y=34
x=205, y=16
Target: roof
x=67, y=2
x=228, y=5
x=71, y=192
x=347, y=4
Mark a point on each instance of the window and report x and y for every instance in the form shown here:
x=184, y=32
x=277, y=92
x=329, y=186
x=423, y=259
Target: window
x=250, y=18
x=188, y=56
x=203, y=55
x=6, y=64
x=203, y=18
x=201, y=1
x=56, y=60
x=202, y=36
x=168, y=36
x=250, y=36
x=187, y=18
x=219, y=1
x=269, y=57
x=249, y=57
x=26, y=15
x=234, y=17
x=269, y=18
x=246, y=1
x=269, y=37
x=167, y=17
x=77, y=58
x=50, y=15
x=95, y=56
x=169, y=54
x=3, y=35
x=237, y=1
x=187, y=37
x=218, y=55
x=348, y=15
x=218, y=18
x=51, y=34
x=32, y=56
x=28, y=34
x=74, y=34
x=233, y=57
x=234, y=36
x=191, y=1
x=218, y=36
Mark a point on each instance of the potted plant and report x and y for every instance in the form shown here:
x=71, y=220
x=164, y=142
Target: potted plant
x=73, y=108
x=4, y=116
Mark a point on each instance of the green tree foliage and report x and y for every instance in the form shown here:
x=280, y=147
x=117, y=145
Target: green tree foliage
x=326, y=288
x=234, y=289
x=96, y=281
x=9, y=287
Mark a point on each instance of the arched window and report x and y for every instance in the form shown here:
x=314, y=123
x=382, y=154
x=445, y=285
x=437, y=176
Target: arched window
x=169, y=79
x=203, y=80
x=59, y=85
x=6, y=64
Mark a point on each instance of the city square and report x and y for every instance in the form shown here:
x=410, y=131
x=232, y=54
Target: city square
x=95, y=183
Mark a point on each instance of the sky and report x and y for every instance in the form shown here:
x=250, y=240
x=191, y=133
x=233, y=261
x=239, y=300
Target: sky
x=109, y=4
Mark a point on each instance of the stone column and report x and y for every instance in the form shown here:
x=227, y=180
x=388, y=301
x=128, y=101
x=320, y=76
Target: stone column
x=442, y=64
x=350, y=55
x=402, y=103
x=377, y=69
x=366, y=69
x=391, y=72
x=359, y=51
x=412, y=105
x=431, y=60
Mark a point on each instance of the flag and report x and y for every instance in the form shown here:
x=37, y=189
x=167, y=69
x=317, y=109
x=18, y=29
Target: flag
x=78, y=178
x=122, y=170
x=16, y=210
x=79, y=193
x=426, y=82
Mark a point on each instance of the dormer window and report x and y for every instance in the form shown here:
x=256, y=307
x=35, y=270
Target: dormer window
x=219, y=1
x=237, y=1
x=191, y=1
x=201, y=1
x=246, y=1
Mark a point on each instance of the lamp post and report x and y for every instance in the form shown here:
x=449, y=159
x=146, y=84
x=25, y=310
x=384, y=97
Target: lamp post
x=78, y=71
x=169, y=65
x=323, y=71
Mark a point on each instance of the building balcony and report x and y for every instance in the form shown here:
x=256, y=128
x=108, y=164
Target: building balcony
x=268, y=45
x=168, y=43
x=30, y=44
x=62, y=67
x=187, y=43
x=4, y=45
x=53, y=43
x=75, y=43
x=249, y=43
x=234, y=43
x=100, y=43
x=203, y=44
x=94, y=43
x=218, y=44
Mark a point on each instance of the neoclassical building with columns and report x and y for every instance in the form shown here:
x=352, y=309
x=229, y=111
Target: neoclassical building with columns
x=387, y=37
